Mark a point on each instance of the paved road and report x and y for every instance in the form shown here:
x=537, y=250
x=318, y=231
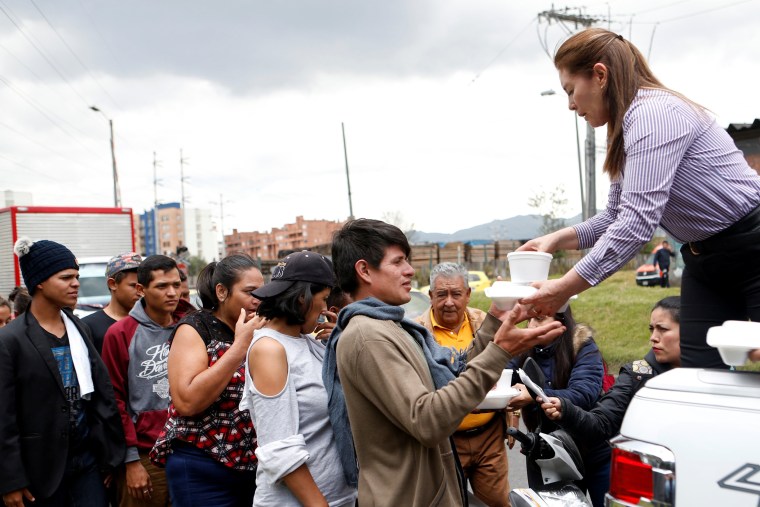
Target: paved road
x=517, y=475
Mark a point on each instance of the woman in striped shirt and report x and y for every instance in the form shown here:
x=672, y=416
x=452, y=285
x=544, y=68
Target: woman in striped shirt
x=671, y=165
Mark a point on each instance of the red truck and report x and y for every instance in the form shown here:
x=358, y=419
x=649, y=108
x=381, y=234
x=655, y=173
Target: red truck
x=88, y=232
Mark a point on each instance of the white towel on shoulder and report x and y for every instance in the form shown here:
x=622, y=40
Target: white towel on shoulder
x=80, y=357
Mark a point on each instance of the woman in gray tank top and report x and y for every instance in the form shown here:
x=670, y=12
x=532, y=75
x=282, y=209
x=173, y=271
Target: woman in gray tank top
x=298, y=458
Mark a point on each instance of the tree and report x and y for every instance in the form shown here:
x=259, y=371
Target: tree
x=397, y=218
x=194, y=265
x=551, y=206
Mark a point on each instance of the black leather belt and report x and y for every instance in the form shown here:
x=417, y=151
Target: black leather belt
x=750, y=222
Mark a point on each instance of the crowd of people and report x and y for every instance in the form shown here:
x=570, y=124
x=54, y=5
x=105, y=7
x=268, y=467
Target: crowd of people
x=313, y=389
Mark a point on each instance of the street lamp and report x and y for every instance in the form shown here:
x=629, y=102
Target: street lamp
x=116, y=192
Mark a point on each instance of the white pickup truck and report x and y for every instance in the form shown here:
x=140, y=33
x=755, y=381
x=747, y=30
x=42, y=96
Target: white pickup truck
x=691, y=437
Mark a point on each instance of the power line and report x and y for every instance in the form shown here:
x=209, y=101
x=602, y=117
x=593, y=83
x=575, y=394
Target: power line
x=19, y=133
x=627, y=19
x=73, y=53
x=46, y=115
x=662, y=6
x=5, y=10
x=24, y=166
x=704, y=11
x=498, y=55
x=98, y=32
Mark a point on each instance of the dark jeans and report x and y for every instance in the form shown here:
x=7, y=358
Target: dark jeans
x=664, y=279
x=81, y=486
x=597, y=482
x=721, y=281
x=196, y=480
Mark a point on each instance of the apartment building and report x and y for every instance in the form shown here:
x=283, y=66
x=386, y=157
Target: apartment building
x=301, y=235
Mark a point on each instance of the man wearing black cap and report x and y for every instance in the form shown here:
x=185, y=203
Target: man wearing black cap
x=60, y=425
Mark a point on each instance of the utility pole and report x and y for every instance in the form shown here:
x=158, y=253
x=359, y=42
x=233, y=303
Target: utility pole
x=348, y=179
x=156, y=232
x=116, y=188
x=564, y=16
x=182, y=179
x=221, y=221
x=221, y=213
x=590, y=210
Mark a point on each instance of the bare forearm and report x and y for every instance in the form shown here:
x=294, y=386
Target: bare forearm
x=204, y=388
x=566, y=239
x=302, y=485
x=563, y=239
x=572, y=283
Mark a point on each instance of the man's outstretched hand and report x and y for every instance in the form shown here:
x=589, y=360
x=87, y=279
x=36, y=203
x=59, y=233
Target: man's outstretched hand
x=516, y=340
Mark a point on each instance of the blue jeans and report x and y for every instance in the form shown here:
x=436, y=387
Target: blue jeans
x=197, y=480
x=597, y=482
x=81, y=486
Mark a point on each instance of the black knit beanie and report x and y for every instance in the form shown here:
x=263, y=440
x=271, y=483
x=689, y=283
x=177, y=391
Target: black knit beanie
x=39, y=260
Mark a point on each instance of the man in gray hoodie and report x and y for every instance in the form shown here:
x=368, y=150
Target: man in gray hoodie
x=135, y=350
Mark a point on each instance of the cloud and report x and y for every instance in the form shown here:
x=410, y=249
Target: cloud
x=440, y=99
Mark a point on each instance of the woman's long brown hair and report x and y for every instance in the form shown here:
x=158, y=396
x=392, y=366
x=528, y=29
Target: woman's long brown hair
x=627, y=72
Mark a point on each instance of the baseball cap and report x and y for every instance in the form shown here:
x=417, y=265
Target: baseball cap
x=123, y=262
x=302, y=266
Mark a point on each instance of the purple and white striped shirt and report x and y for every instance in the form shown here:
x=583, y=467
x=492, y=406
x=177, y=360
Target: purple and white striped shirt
x=682, y=171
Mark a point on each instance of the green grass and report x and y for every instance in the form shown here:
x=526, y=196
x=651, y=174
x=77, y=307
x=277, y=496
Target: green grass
x=618, y=311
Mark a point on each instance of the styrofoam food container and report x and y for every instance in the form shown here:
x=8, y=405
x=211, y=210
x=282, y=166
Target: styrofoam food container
x=734, y=340
x=563, y=308
x=498, y=398
x=506, y=379
x=505, y=294
x=527, y=267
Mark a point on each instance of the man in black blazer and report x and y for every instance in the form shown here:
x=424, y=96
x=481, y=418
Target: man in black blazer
x=60, y=431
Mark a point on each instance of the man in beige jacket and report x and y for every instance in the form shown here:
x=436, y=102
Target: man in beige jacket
x=479, y=439
x=397, y=388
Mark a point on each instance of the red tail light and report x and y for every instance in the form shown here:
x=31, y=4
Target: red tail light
x=630, y=479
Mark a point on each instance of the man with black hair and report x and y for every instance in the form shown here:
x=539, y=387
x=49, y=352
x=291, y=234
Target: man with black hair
x=403, y=394
x=21, y=300
x=6, y=313
x=662, y=261
x=60, y=425
x=121, y=278
x=135, y=351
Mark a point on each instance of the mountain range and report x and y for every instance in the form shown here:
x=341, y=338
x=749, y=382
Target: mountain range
x=521, y=227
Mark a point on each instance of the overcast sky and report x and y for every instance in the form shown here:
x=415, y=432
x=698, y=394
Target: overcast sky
x=441, y=100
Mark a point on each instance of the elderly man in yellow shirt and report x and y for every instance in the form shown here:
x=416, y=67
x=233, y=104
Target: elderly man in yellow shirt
x=480, y=437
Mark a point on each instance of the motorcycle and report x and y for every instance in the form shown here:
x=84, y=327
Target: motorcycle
x=553, y=460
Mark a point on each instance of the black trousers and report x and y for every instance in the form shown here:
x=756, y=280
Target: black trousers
x=665, y=278
x=721, y=281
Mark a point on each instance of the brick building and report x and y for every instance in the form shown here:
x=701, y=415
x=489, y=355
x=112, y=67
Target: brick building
x=301, y=235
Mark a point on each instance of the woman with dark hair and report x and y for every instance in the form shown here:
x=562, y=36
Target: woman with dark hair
x=298, y=457
x=670, y=165
x=604, y=420
x=208, y=443
x=596, y=426
x=572, y=365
